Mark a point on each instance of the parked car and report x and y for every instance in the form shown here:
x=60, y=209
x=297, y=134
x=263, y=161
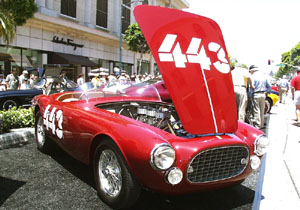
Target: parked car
x=271, y=100
x=275, y=88
x=23, y=98
x=191, y=144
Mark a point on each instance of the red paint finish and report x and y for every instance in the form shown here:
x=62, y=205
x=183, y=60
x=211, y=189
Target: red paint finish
x=203, y=98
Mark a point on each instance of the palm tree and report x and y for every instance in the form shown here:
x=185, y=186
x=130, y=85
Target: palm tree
x=7, y=29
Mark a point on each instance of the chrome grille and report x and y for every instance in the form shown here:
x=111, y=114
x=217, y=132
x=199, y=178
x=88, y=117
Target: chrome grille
x=218, y=164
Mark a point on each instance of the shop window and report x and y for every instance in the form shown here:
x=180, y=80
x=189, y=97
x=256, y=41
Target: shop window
x=10, y=58
x=156, y=70
x=145, y=67
x=68, y=7
x=31, y=58
x=101, y=17
x=104, y=64
x=125, y=15
x=126, y=67
x=19, y=58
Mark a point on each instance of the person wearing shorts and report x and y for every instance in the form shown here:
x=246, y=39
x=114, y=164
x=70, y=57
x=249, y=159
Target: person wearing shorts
x=295, y=84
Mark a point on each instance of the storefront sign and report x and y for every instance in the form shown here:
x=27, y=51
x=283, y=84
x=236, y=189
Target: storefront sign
x=70, y=42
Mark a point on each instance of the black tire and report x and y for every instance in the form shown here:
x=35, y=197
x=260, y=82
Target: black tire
x=9, y=103
x=109, y=160
x=42, y=141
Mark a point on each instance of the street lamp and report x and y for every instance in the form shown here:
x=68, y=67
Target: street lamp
x=121, y=14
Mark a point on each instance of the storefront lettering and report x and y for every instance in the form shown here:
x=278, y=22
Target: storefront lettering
x=69, y=42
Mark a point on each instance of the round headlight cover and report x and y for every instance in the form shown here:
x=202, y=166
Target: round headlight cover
x=162, y=156
x=174, y=176
x=254, y=162
x=260, y=145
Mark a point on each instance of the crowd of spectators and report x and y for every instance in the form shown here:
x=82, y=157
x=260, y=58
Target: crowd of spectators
x=248, y=85
x=26, y=80
x=15, y=82
x=102, y=78
x=252, y=86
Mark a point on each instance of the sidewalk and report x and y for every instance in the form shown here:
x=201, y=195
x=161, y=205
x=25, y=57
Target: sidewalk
x=16, y=137
x=281, y=186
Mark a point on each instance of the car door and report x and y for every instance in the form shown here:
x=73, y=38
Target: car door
x=67, y=124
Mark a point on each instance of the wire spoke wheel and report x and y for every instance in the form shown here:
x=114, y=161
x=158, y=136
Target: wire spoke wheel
x=40, y=132
x=115, y=184
x=110, y=173
x=42, y=141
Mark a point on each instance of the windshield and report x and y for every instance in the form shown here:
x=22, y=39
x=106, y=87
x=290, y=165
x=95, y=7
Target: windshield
x=120, y=88
x=39, y=83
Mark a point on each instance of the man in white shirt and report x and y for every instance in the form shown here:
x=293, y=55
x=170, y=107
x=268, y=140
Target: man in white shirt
x=283, y=89
x=23, y=76
x=241, y=79
x=261, y=88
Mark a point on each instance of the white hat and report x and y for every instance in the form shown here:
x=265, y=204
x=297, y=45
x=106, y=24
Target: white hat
x=25, y=72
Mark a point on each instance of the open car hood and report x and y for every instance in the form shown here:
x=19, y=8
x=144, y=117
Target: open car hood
x=191, y=55
x=52, y=71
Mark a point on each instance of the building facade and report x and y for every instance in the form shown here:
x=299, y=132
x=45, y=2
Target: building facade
x=80, y=35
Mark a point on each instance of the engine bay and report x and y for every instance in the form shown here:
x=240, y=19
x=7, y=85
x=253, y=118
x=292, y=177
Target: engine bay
x=161, y=115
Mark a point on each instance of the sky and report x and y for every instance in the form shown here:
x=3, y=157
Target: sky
x=254, y=30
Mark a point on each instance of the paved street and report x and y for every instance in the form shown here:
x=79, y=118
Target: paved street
x=32, y=180
x=281, y=184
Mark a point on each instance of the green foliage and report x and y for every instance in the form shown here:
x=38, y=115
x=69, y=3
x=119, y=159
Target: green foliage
x=244, y=66
x=295, y=55
x=18, y=10
x=290, y=59
x=14, y=13
x=135, y=39
x=234, y=61
x=17, y=118
x=7, y=29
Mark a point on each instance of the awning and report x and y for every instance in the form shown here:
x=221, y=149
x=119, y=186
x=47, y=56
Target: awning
x=62, y=58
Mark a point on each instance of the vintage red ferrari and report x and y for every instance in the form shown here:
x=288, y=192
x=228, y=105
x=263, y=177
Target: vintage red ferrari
x=193, y=144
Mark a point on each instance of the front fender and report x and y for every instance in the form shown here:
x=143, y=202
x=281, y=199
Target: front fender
x=247, y=133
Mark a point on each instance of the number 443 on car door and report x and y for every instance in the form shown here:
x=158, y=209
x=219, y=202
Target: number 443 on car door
x=50, y=119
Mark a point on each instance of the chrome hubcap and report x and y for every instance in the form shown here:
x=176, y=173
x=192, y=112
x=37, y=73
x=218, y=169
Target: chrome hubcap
x=110, y=173
x=40, y=132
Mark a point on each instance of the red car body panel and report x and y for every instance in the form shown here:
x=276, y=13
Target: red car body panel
x=83, y=122
x=191, y=55
x=77, y=126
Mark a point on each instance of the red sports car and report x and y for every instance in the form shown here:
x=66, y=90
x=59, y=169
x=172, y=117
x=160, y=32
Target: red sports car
x=193, y=144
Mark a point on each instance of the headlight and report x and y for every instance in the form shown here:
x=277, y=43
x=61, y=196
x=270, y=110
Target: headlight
x=260, y=145
x=162, y=156
x=254, y=162
x=174, y=176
